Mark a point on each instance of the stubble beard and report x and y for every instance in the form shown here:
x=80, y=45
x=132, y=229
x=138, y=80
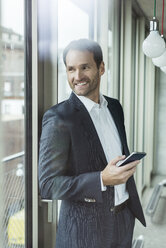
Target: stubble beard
x=93, y=86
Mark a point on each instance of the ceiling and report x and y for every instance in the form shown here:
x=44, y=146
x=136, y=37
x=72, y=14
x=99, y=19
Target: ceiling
x=147, y=7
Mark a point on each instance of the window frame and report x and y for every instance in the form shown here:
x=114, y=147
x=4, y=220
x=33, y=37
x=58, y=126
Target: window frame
x=28, y=123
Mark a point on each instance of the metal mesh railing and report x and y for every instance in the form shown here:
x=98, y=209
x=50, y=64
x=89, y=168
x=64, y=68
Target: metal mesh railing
x=13, y=202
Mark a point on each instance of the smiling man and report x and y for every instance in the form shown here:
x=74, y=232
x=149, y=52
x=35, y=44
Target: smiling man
x=83, y=139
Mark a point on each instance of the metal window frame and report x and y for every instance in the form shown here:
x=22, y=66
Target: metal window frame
x=28, y=123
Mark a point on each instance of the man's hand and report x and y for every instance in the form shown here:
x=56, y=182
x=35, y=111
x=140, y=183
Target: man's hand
x=114, y=175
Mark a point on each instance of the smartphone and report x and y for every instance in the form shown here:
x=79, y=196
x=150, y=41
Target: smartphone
x=132, y=157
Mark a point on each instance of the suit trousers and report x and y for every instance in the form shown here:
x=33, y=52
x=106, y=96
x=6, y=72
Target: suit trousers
x=86, y=227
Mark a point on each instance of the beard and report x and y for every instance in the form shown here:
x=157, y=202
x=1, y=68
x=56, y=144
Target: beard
x=90, y=89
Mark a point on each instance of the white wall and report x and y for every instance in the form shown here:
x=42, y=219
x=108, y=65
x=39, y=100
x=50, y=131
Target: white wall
x=160, y=158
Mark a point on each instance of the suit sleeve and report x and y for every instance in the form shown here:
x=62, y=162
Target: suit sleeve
x=54, y=182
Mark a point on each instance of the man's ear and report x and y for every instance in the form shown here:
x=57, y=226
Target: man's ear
x=102, y=68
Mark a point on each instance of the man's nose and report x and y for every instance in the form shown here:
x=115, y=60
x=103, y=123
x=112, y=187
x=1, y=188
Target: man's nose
x=78, y=75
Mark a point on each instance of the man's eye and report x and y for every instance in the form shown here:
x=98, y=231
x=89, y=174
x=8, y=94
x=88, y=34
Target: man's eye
x=85, y=67
x=70, y=69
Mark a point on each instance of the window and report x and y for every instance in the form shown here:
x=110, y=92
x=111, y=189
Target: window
x=12, y=140
x=7, y=88
x=73, y=23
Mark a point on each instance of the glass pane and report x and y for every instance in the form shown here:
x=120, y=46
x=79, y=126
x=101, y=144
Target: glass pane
x=12, y=194
x=73, y=23
x=109, y=70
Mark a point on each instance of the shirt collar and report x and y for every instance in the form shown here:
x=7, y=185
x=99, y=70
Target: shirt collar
x=89, y=104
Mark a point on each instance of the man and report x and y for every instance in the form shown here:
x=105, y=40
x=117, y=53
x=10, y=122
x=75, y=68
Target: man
x=83, y=139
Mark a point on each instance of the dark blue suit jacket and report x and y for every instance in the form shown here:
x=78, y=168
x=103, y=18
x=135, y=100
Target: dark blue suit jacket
x=70, y=160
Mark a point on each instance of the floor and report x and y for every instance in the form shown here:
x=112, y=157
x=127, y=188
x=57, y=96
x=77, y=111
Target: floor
x=154, y=234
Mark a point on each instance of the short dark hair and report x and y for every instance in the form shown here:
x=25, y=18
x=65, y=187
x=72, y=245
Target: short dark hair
x=85, y=45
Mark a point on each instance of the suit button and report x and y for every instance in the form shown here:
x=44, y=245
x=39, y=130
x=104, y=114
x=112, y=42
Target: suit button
x=111, y=209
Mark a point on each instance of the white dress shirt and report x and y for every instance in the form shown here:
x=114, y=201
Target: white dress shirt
x=109, y=138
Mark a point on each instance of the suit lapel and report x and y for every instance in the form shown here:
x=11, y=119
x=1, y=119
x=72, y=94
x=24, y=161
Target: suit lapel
x=89, y=129
x=92, y=135
x=113, y=110
x=118, y=121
